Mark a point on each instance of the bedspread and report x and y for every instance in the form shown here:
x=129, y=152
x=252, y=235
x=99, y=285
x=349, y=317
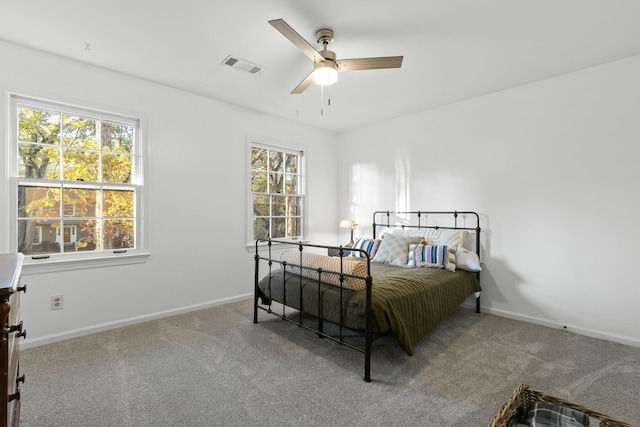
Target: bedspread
x=408, y=302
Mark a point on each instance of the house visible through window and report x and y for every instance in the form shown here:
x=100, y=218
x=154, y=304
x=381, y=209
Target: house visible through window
x=276, y=192
x=77, y=179
x=37, y=235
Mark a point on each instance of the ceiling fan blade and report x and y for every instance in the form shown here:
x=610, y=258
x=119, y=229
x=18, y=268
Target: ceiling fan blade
x=296, y=39
x=369, y=63
x=304, y=84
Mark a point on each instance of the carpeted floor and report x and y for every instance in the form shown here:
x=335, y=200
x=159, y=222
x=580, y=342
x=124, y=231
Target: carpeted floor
x=216, y=368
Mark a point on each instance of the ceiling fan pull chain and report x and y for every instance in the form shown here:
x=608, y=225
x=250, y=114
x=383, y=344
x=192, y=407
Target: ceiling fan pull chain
x=321, y=100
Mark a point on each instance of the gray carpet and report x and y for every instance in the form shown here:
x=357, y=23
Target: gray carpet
x=216, y=368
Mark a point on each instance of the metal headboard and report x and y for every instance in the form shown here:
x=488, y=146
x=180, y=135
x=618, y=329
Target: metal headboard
x=421, y=219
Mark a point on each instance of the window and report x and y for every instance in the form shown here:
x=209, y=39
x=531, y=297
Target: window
x=276, y=192
x=76, y=178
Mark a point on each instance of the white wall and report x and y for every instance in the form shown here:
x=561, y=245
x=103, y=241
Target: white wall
x=198, y=148
x=551, y=167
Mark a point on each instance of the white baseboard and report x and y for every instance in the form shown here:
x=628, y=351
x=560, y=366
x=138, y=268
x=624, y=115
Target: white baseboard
x=50, y=339
x=545, y=322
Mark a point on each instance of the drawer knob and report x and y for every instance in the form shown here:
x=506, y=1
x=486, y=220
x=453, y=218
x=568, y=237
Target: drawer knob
x=14, y=396
x=20, y=379
x=16, y=328
x=22, y=289
x=22, y=334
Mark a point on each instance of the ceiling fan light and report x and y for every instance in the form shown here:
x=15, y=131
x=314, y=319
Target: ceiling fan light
x=325, y=74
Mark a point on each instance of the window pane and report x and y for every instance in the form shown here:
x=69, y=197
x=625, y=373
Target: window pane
x=117, y=203
x=276, y=182
x=79, y=202
x=86, y=238
x=116, y=168
x=260, y=205
x=261, y=228
x=80, y=165
x=38, y=161
x=258, y=158
x=292, y=163
x=37, y=236
x=278, y=206
x=293, y=227
x=279, y=228
x=291, y=184
x=276, y=161
x=38, y=126
x=116, y=137
x=68, y=237
x=258, y=182
x=117, y=234
x=38, y=202
x=293, y=206
x=79, y=132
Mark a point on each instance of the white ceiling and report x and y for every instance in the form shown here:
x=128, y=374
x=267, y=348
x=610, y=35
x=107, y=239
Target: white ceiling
x=453, y=49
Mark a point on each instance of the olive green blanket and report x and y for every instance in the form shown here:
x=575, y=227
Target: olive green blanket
x=408, y=302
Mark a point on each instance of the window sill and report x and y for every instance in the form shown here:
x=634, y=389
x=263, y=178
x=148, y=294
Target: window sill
x=52, y=266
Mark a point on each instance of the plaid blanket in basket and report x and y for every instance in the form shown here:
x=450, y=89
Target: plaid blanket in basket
x=542, y=414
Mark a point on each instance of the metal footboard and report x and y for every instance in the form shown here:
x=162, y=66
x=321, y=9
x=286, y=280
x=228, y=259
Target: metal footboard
x=267, y=246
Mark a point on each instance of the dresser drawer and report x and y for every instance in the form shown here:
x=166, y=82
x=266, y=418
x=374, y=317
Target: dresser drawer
x=12, y=332
x=13, y=343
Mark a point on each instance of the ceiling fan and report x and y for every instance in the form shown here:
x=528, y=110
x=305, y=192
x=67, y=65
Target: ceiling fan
x=325, y=63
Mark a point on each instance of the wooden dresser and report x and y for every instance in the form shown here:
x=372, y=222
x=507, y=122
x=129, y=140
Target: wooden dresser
x=12, y=331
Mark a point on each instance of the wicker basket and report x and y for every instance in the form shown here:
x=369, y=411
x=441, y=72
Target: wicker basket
x=525, y=396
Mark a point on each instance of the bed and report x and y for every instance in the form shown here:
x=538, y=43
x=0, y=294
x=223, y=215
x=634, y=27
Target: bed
x=415, y=270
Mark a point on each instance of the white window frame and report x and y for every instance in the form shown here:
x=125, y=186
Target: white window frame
x=9, y=182
x=261, y=142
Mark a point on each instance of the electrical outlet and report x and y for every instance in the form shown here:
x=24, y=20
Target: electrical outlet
x=57, y=302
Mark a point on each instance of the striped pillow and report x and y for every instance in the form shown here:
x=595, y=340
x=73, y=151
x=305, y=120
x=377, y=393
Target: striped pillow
x=435, y=256
x=412, y=255
x=368, y=245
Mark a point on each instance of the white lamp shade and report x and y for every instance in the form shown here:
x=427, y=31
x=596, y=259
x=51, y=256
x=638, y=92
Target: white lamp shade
x=348, y=223
x=325, y=75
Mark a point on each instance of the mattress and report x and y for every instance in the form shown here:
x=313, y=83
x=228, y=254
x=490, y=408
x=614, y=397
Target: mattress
x=408, y=302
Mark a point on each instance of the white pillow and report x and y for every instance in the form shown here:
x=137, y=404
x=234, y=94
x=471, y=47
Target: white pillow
x=446, y=237
x=467, y=260
x=394, y=249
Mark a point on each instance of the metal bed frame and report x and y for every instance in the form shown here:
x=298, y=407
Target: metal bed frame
x=420, y=222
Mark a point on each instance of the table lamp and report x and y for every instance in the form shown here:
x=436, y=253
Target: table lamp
x=350, y=224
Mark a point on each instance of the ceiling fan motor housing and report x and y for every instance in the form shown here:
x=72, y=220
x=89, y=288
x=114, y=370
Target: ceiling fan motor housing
x=328, y=63
x=328, y=55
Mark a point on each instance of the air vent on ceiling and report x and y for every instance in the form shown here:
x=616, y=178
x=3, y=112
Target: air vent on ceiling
x=243, y=65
